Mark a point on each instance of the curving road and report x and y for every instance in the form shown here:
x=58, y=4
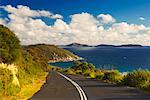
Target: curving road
x=74, y=87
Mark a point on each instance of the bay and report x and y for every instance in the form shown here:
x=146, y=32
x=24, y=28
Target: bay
x=121, y=58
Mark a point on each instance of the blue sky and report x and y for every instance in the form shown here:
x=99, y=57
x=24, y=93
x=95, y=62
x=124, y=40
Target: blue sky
x=122, y=10
x=82, y=21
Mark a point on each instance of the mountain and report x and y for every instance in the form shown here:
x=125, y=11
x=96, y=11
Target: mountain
x=51, y=52
x=129, y=45
x=104, y=45
x=126, y=45
x=101, y=45
x=76, y=45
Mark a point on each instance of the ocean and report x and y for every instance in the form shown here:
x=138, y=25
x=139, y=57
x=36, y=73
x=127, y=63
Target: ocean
x=123, y=59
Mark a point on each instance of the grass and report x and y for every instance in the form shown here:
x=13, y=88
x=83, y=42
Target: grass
x=138, y=78
x=11, y=87
x=9, y=83
x=28, y=91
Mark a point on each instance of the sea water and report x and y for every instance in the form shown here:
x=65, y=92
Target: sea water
x=122, y=58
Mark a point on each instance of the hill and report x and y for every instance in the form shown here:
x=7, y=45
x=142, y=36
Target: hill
x=78, y=45
x=18, y=70
x=23, y=66
x=130, y=45
x=100, y=45
x=51, y=53
x=9, y=45
x=105, y=45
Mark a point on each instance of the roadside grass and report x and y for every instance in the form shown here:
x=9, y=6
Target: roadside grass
x=54, y=68
x=29, y=90
x=137, y=78
x=9, y=84
x=13, y=87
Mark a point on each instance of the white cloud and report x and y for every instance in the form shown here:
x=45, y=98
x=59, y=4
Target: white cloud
x=25, y=11
x=106, y=18
x=124, y=27
x=142, y=18
x=83, y=28
x=57, y=16
x=124, y=33
x=83, y=22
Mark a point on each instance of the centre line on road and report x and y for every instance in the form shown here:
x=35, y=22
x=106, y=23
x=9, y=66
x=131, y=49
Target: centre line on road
x=80, y=90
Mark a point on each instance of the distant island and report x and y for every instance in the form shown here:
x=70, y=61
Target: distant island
x=130, y=45
x=101, y=45
x=104, y=45
x=78, y=45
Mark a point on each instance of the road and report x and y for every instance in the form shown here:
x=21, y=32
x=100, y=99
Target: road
x=75, y=87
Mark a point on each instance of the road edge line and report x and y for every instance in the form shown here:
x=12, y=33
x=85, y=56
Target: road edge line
x=80, y=90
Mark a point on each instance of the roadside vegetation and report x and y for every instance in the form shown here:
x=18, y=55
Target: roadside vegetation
x=23, y=69
x=138, y=78
x=18, y=70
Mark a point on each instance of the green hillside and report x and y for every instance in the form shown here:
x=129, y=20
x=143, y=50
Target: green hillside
x=9, y=45
x=51, y=53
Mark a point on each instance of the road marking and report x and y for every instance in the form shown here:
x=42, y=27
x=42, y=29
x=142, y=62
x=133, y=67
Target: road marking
x=80, y=90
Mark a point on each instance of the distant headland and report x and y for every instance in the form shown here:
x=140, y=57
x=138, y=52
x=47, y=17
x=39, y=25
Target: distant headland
x=101, y=45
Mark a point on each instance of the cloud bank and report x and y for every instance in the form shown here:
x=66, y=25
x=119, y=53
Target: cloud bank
x=83, y=28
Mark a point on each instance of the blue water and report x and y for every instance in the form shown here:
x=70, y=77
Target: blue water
x=123, y=59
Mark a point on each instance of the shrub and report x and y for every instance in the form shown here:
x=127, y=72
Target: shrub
x=111, y=75
x=69, y=71
x=138, y=78
x=9, y=45
x=89, y=73
x=83, y=66
x=12, y=89
x=78, y=72
x=99, y=74
x=8, y=87
x=29, y=67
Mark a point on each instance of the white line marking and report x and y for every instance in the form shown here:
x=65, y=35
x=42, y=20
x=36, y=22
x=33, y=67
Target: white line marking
x=80, y=90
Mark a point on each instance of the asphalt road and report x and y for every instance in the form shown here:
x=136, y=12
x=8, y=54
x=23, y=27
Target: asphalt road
x=75, y=87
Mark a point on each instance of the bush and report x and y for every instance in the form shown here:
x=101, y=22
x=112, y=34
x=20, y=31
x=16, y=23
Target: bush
x=89, y=73
x=29, y=67
x=69, y=71
x=9, y=45
x=112, y=75
x=78, y=72
x=12, y=89
x=138, y=78
x=99, y=74
x=83, y=66
x=7, y=87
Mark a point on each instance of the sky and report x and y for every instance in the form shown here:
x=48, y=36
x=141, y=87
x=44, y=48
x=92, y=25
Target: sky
x=90, y=22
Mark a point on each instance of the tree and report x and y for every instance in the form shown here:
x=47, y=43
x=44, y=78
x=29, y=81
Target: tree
x=9, y=45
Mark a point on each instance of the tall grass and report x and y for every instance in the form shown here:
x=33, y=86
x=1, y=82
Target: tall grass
x=9, y=83
x=13, y=69
x=138, y=78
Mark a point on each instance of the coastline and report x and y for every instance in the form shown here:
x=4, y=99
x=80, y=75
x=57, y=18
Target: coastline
x=68, y=59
